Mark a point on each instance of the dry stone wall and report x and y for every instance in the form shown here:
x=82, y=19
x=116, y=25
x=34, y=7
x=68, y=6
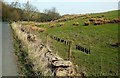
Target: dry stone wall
x=42, y=57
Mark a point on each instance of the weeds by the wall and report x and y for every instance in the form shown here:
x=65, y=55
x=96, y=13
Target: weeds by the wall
x=25, y=65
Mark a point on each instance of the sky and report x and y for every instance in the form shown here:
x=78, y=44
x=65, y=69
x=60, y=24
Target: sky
x=73, y=6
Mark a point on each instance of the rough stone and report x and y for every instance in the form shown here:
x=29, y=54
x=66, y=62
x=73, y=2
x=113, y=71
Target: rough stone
x=62, y=63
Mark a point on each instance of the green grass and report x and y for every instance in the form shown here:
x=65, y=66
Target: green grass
x=109, y=14
x=103, y=59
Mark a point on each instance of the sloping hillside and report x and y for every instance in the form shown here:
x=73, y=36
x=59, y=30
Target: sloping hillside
x=95, y=32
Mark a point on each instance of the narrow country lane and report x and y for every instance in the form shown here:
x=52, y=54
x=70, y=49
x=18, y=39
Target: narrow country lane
x=9, y=64
x=0, y=49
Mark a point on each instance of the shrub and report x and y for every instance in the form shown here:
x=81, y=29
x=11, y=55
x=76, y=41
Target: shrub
x=103, y=15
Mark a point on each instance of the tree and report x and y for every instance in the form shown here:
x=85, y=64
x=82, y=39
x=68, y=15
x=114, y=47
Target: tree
x=15, y=5
x=29, y=10
x=50, y=14
x=0, y=10
x=5, y=12
x=53, y=14
x=15, y=16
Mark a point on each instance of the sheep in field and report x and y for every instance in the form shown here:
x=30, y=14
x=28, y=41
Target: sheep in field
x=41, y=29
x=106, y=21
x=87, y=23
x=92, y=19
x=53, y=25
x=103, y=15
x=76, y=23
x=111, y=21
x=100, y=19
x=61, y=24
x=116, y=20
x=98, y=23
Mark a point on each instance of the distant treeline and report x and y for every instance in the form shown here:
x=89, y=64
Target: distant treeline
x=26, y=12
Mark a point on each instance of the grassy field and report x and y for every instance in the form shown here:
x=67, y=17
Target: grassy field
x=103, y=60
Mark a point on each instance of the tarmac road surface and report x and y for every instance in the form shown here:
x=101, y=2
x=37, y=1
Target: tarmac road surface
x=9, y=64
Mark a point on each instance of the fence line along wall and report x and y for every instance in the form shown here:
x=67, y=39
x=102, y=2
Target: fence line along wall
x=87, y=51
x=77, y=47
x=60, y=40
x=42, y=57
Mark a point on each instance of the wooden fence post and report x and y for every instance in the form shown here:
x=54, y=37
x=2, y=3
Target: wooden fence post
x=46, y=39
x=69, y=51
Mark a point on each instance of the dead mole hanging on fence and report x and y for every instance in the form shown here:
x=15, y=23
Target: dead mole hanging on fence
x=82, y=49
x=55, y=38
x=79, y=48
x=62, y=40
x=65, y=42
x=76, y=47
x=87, y=51
x=68, y=43
x=58, y=39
